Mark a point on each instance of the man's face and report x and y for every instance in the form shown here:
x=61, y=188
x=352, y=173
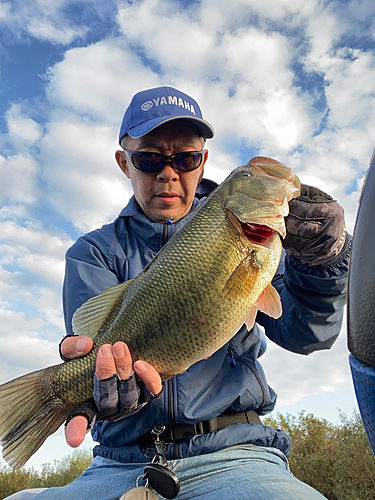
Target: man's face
x=167, y=194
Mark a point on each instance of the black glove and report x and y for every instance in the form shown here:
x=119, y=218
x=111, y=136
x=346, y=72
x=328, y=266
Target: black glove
x=114, y=399
x=315, y=227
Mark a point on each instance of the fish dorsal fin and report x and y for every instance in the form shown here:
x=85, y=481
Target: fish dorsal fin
x=269, y=302
x=250, y=320
x=90, y=317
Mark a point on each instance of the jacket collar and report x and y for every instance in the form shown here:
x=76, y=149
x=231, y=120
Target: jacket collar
x=156, y=234
x=153, y=234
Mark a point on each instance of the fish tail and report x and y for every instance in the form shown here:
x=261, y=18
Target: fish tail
x=29, y=413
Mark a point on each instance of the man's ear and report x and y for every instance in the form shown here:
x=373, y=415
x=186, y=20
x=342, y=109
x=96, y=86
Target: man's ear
x=122, y=162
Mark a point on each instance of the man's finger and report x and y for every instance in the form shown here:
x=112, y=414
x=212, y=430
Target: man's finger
x=123, y=360
x=149, y=376
x=105, y=362
x=75, y=431
x=75, y=347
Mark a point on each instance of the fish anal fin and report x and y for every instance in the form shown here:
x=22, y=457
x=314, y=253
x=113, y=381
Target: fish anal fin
x=269, y=302
x=90, y=317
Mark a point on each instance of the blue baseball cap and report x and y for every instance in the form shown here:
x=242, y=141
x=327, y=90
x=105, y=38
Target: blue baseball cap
x=151, y=108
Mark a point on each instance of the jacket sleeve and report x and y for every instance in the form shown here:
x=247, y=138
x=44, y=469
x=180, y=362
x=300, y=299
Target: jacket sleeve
x=313, y=298
x=88, y=272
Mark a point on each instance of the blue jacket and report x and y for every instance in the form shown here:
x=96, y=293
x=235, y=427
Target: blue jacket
x=312, y=299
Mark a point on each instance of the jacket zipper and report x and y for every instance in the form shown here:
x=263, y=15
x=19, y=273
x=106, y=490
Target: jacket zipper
x=171, y=414
x=165, y=234
x=170, y=401
x=235, y=358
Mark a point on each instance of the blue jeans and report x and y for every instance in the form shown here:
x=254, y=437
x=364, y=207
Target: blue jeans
x=245, y=472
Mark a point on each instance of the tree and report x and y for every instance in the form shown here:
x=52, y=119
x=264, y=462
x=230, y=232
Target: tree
x=335, y=460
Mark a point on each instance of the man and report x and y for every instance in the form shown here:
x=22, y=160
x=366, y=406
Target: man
x=214, y=441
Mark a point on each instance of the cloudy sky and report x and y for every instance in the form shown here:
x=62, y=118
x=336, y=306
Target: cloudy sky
x=290, y=79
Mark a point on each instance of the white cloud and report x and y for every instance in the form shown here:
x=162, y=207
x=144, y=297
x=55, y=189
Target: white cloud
x=4, y=10
x=43, y=20
x=31, y=275
x=18, y=179
x=32, y=236
x=22, y=348
x=22, y=126
x=85, y=183
x=105, y=76
x=47, y=29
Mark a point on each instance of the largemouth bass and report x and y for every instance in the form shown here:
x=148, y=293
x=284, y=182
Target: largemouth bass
x=205, y=283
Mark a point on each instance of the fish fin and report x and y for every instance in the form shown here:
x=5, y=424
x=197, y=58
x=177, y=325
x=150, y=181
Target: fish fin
x=90, y=317
x=241, y=280
x=27, y=417
x=250, y=320
x=269, y=302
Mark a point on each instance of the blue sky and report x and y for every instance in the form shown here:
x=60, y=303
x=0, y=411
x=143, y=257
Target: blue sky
x=290, y=79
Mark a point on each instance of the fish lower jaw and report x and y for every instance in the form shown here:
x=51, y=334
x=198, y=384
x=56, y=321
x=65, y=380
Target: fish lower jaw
x=259, y=234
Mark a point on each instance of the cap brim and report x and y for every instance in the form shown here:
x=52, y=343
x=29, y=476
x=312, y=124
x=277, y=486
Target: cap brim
x=144, y=128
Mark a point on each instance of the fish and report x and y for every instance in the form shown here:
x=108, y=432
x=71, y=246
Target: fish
x=212, y=277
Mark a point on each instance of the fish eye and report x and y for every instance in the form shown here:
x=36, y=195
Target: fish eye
x=247, y=173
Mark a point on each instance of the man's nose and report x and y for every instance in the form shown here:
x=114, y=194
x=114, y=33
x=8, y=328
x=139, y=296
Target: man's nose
x=168, y=173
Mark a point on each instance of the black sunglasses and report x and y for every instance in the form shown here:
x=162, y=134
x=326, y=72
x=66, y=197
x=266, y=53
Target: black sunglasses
x=154, y=162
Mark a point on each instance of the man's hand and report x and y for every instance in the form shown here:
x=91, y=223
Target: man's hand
x=110, y=360
x=315, y=227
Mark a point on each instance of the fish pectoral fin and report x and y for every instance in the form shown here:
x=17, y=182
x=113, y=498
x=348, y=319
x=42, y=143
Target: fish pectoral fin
x=90, y=317
x=250, y=319
x=269, y=302
x=242, y=280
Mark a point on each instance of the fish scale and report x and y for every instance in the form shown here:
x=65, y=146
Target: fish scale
x=193, y=297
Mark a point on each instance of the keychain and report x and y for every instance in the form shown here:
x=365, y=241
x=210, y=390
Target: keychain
x=156, y=474
x=159, y=477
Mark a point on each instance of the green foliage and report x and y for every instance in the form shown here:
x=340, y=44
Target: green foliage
x=335, y=460
x=59, y=474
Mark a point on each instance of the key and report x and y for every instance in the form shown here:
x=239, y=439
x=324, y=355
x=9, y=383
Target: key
x=162, y=480
x=139, y=493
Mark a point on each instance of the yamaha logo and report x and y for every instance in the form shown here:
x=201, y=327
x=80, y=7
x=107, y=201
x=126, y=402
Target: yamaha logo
x=174, y=100
x=147, y=105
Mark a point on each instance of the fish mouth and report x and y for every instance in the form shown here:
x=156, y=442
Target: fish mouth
x=257, y=233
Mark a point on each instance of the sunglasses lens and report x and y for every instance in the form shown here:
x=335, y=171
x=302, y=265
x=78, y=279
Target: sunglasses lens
x=183, y=162
x=154, y=162
x=148, y=162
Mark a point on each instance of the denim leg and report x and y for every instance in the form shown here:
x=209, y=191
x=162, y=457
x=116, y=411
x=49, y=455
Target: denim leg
x=247, y=472
x=104, y=479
